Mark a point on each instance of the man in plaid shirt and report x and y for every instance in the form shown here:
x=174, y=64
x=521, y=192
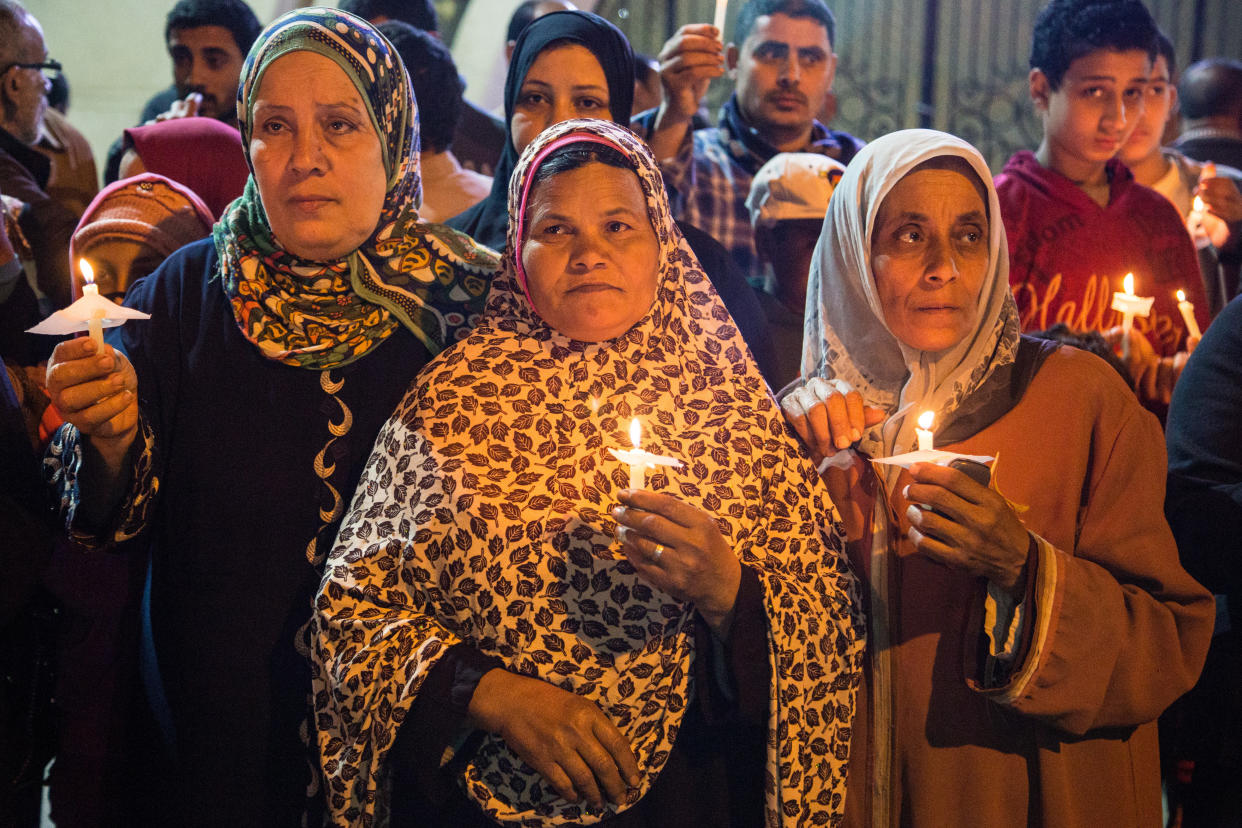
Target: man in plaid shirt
x=783, y=70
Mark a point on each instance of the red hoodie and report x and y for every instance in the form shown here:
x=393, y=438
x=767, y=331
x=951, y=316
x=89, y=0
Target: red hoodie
x=1067, y=254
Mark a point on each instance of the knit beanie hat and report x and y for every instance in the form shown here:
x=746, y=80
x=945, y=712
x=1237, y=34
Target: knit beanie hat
x=148, y=209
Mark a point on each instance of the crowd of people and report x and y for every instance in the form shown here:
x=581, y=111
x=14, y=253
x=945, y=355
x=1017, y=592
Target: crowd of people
x=615, y=462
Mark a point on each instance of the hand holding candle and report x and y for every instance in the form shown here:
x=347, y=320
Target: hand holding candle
x=1129, y=306
x=1194, y=221
x=640, y=460
x=926, y=451
x=91, y=313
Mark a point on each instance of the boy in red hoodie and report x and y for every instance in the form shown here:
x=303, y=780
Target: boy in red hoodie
x=1077, y=221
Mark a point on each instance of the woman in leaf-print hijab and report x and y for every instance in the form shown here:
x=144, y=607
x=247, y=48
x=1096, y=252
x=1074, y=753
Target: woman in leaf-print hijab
x=482, y=541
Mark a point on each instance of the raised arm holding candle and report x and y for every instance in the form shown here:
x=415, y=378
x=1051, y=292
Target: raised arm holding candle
x=909, y=302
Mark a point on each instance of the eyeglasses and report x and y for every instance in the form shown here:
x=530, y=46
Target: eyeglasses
x=50, y=68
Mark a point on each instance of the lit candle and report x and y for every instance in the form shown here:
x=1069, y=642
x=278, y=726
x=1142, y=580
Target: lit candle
x=1198, y=210
x=1188, y=315
x=640, y=460
x=719, y=21
x=94, y=325
x=1130, y=306
x=924, y=432
x=1194, y=224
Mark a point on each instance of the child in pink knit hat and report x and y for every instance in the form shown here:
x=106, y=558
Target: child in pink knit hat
x=132, y=226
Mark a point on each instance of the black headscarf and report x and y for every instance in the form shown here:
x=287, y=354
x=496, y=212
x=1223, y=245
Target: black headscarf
x=488, y=221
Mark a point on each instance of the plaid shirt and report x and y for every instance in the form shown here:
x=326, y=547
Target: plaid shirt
x=709, y=179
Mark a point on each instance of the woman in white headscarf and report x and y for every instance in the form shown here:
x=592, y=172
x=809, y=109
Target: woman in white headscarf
x=1021, y=645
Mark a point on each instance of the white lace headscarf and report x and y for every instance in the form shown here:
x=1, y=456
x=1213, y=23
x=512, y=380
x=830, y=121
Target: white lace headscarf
x=845, y=334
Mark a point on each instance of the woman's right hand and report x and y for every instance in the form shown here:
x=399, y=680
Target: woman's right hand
x=97, y=393
x=829, y=415
x=566, y=738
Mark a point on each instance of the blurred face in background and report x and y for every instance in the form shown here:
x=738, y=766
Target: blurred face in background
x=1160, y=102
x=24, y=94
x=117, y=264
x=207, y=60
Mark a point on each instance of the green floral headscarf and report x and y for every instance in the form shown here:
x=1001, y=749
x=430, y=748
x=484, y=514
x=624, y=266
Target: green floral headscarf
x=325, y=314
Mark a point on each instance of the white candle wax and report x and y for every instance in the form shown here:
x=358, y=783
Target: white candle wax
x=638, y=475
x=924, y=432
x=94, y=325
x=640, y=461
x=1188, y=315
x=1130, y=306
x=719, y=21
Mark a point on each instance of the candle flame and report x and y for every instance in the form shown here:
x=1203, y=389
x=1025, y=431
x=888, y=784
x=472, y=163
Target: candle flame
x=926, y=419
x=636, y=432
x=88, y=272
x=1129, y=283
x=1199, y=205
x=1181, y=295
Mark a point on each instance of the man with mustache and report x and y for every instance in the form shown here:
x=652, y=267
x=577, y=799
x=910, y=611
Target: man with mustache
x=783, y=65
x=207, y=41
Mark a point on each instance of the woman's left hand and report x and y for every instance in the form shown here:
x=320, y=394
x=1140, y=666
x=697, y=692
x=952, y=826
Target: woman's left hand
x=679, y=549
x=975, y=530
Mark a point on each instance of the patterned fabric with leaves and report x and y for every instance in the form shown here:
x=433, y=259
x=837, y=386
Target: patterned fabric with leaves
x=322, y=315
x=483, y=516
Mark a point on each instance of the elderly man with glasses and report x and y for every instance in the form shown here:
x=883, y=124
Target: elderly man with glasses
x=24, y=172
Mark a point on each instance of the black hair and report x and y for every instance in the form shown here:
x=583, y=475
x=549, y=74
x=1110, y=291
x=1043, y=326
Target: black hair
x=1067, y=30
x=437, y=85
x=1164, y=49
x=643, y=70
x=520, y=19
x=58, y=93
x=421, y=14
x=233, y=15
x=753, y=10
x=1211, y=87
x=1089, y=341
x=573, y=156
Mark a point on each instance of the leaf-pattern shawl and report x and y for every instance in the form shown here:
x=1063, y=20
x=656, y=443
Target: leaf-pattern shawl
x=483, y=516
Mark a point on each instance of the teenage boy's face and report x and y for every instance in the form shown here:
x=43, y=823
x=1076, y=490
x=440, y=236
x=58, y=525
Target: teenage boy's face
x=1160, y=101
x=1098, y=105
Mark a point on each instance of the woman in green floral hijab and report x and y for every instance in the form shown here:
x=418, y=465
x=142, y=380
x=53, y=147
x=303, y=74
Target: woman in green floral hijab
x=314, y=313
x=223, y=431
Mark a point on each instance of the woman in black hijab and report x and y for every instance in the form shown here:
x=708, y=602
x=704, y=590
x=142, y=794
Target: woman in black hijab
x=488, y=221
